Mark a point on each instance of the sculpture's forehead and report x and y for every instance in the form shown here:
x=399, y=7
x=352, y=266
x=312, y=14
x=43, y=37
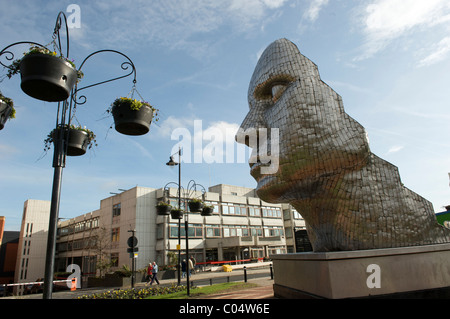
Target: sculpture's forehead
x=281, y=57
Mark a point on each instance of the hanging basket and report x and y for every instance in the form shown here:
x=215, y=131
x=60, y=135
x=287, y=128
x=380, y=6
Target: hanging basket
x=207, y=210
x=163, y=209
x=131, y=117
x=195, y=206
x=46, y=77
x=5, y=113
x=176, y=214
x=78, y=140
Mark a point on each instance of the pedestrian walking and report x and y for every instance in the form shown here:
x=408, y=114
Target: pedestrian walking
x=154, y=273
x=183, y=268
x=149, y=272
x=194, y=263
x=190, y=267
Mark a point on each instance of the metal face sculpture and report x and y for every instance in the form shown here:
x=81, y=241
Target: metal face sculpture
x=350, y=198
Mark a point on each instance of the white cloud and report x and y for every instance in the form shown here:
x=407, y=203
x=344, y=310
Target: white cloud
x=314, y=8
x=207, y=143
x=439, y=52
x=395, y=149
x=178, y=23
x=165, y=128
x=386, y=20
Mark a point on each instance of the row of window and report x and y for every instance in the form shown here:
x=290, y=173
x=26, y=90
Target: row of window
x=85, y=243
x=235, y=209
x=78, y=227
x=226, y=209
x=218, y=231
x=194, y=231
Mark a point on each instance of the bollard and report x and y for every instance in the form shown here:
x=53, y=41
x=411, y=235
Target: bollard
x=74, y=284
x=271, y=271
x=210, y=281
x=245, y=273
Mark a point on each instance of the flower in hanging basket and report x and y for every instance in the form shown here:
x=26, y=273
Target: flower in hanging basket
x=131, y=116
x=45, y=75
x=176, y=213
x=7, y=110
x=207, y=210
x=163, y=208
x=79, y=139
x=195, y=205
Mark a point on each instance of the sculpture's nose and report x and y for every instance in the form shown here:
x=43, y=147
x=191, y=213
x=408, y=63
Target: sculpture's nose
x=249, y=127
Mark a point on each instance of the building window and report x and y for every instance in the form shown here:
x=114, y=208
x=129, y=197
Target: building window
x=235, y=230
x=115, y=235
x=234, y=209
x=254, y=211
x=29, y=230
x=296, y=214
x=115, y=259
x=255, y=231
x=160, y=231
x=212, y=231
x=276, y=250
x=271, y=212
x=215, y=204
x=116, y=210
x=272, y=231
x=194, y=230
x=174, y=203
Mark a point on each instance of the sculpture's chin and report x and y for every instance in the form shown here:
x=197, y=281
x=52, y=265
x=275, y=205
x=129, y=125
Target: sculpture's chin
x=270, y=190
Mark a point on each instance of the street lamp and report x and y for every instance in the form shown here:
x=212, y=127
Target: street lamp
x=172, y=163
x=66, y=106
x=192, y=186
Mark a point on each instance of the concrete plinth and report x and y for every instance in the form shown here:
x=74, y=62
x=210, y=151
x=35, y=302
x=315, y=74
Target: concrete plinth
x=407, y=271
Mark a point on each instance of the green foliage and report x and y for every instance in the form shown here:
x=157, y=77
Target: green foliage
x=173, y=257
x=91, y=137
x=125, y=271
x=14, y=68
x=134, y=105
x=163, y=204
x=9, y=102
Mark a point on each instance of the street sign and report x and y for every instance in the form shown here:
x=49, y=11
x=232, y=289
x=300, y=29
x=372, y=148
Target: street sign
x=132, y=250
x=132, y=242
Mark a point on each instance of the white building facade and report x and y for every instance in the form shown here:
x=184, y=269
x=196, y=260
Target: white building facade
x=241, y=227
x=30, y=264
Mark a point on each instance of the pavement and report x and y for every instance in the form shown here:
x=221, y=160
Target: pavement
x=260, y=276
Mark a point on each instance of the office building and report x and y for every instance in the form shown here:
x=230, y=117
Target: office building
x=241, y=227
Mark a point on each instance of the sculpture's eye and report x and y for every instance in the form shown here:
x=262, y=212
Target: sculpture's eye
x=273, y=88
x=277, y=91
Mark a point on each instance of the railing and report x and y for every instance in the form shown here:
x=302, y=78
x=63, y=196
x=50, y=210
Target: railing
x=228, y=261
x=35, y=283
x=247, y=274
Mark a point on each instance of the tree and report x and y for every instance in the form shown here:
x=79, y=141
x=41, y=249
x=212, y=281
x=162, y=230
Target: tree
x=101, y=246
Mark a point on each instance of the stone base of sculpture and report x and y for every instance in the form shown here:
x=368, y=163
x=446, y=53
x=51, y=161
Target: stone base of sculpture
x=407, y=272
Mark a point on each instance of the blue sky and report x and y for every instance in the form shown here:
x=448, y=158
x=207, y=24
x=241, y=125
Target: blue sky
x=388, y=59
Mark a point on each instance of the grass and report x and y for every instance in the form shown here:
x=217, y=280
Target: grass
x=199, y=292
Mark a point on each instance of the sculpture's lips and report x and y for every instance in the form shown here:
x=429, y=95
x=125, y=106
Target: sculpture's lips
x=256, y=165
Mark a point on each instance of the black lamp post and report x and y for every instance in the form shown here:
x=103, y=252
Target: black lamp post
x=171, y=162
x=66, y=105
x=191, y=186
